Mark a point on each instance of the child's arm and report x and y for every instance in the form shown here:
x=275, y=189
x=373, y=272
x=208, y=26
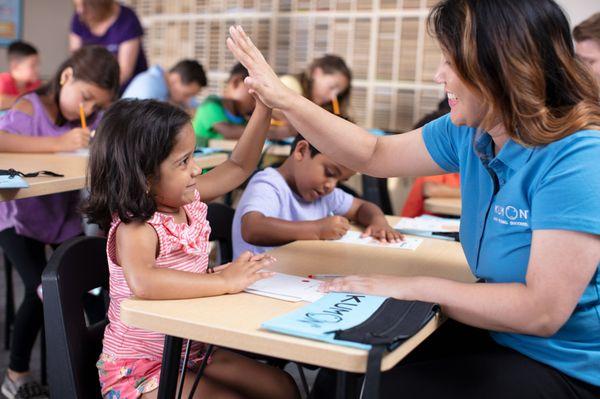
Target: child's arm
x=372, y=218
x=7, y=101
x=258, y=229
x=229, y=130
x=242, y=162
x=70, y=141
x=431, y=189
x=137, y=245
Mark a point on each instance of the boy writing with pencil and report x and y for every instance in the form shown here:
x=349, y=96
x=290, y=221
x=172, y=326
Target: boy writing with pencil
x=300, y=201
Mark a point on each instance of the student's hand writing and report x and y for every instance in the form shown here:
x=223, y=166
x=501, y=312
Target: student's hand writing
x=245, y=270
x=74, y=139
x=262, y=80
x=382, y=231
x=332, y=228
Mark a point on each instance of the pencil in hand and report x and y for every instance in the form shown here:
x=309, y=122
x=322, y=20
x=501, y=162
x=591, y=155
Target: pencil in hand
x=82, y=116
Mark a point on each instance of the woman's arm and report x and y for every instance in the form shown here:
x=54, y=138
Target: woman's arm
x=344, y=142
x=127, y=58
x=136, y=250
x=74, y=42
x=242, y=162
x=561, y=265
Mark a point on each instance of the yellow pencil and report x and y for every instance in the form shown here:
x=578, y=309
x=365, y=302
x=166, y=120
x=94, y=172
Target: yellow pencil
x=277, y=122
x=336, y=105
x=82, y=116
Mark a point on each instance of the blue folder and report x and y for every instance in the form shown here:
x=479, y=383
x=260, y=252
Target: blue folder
x=321, y=319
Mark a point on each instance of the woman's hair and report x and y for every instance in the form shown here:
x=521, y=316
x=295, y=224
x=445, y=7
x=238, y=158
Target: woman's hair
x=90, y=64
x=133, y=139
x=518, y=56
x=329, y=64
x=99, y=9
x=588, y=29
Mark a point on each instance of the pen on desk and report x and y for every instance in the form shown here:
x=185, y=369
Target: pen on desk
x=82, y=116
x=324, y=276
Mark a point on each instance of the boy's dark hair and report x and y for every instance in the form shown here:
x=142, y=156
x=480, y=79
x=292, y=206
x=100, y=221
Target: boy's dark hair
x=238, y=70
x=19, y=50
x=190, y=71
x=91, y=64
x=133, y=139
x=299, y=138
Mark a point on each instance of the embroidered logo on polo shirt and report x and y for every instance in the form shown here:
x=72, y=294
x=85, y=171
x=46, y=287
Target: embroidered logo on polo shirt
x=511, y=215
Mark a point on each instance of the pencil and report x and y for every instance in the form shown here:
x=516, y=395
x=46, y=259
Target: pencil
x=336, y=105
x=82, y=116
x=324, y=276
x=277, y=122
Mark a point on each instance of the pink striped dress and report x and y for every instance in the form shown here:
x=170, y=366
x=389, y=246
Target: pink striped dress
x=131, y=356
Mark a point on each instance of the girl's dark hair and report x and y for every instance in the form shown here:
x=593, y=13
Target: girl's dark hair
x=330, y=64
x=133, y=139
x=91, y=64
x=518, y=56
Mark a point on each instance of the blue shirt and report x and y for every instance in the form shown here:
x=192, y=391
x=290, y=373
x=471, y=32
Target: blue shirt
x=150, y=84
x=556, y=187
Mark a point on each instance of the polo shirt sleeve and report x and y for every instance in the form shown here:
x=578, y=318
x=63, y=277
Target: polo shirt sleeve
x=261, y=195
x=568, y=194
x=443, y=139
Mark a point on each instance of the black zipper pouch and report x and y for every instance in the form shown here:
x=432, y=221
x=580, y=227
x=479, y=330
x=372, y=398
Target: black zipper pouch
x=391, y=324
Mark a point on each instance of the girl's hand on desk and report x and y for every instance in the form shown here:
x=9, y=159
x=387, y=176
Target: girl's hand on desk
x=382, y=231
x=244, y=271
x=74, y=139
x=376, y=284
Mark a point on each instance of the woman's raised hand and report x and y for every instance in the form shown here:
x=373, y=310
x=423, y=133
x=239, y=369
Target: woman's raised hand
x=262, y=82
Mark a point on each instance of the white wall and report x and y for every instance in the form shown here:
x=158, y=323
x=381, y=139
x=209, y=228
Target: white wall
x=579, y=10
x=46, y=26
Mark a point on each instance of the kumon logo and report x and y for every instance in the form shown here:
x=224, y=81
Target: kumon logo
x=511, y=215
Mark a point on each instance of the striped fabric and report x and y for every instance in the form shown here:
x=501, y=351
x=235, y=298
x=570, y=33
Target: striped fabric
x=182, y=247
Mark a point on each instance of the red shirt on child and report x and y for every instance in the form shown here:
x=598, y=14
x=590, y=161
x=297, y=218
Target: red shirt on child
x=8, y=85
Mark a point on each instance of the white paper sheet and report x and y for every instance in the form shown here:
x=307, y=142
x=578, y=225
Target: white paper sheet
x=287, y=287
x=429, y=223
x=354, y=237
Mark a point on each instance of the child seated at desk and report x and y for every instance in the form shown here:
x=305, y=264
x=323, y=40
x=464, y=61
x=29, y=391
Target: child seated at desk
x=179, y=85
x=23, y=74
x=225, y=117
x=300, y=201
x=146, y=191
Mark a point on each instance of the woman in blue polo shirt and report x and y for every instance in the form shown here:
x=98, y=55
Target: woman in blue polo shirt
x=524, y=134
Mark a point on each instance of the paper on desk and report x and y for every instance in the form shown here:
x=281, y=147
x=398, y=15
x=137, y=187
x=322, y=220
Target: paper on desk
x=82, y=152
x=287, y=287
x=354, y=237
x=428, y=223
x=12, y=182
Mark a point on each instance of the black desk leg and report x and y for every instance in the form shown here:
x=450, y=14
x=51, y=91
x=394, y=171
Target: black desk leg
x=170, y=367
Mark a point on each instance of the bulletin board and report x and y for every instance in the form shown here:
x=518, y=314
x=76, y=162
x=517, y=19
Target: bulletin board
x=11, y=17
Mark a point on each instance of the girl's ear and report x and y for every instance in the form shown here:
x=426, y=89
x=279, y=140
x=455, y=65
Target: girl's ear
x=66, y=76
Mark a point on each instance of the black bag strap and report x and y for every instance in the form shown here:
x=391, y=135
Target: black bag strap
x=12, y=173
x=373, y=374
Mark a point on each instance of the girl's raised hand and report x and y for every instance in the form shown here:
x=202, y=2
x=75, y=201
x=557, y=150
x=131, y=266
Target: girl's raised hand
x=244, y=271
x=74, y=139
x=262, y=80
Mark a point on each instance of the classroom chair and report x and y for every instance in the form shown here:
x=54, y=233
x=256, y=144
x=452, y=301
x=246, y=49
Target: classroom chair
x=220, y=217
x=76, y=267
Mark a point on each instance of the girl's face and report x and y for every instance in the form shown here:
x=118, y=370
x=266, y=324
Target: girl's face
x=325, y=86
x=176, y=185
x=74, y=92
x=465, y=105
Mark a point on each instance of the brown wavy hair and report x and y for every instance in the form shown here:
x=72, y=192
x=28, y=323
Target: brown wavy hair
x=518, y=56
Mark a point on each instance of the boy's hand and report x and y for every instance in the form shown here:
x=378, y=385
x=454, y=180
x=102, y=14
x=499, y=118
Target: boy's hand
x=382, y=231
x=244, y=271
x=74, y=139
x=332, y=228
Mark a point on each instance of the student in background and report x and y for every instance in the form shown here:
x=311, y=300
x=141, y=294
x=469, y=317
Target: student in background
x=300, y=201
x=114, y=26
x=587, y=43
x=440, y=186
x=148, y=198
x=225, y=117
x=23, y=73
x=47, y=119
x=179, y=85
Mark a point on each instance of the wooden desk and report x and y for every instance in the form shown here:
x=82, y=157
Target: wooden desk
x=71, y=165
x=233, y=321
x=278, y=150
x=443, y=206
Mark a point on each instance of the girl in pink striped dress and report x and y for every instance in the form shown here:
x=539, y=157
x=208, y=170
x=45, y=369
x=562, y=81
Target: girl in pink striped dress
x=146, y=191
